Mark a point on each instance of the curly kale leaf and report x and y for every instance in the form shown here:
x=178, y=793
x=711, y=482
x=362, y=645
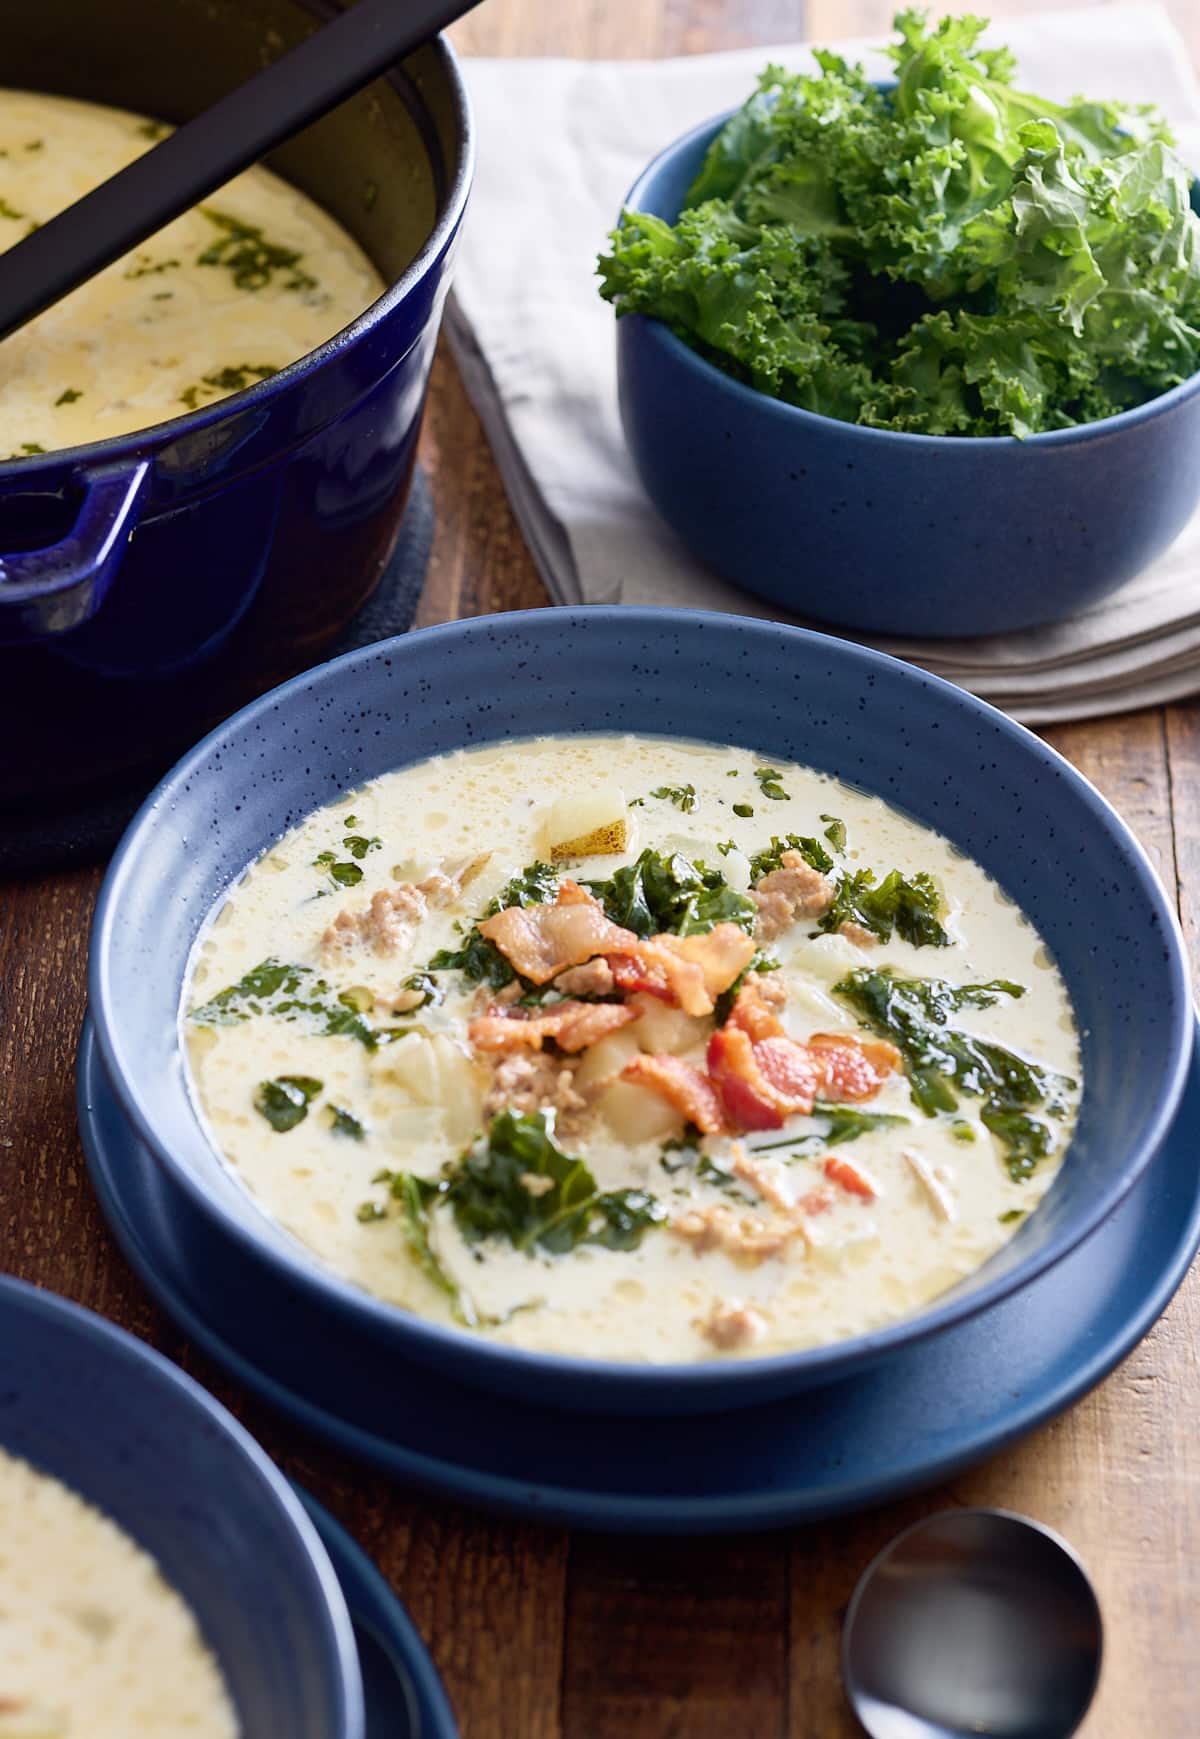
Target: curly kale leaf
x=515, y=1183
x=771, y=857
x=942, y=1061
x=910, y=907
x=952, y=256
x=668, y=892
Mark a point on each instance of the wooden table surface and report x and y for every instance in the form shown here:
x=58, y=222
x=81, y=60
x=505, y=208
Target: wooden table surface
x=538, y=1632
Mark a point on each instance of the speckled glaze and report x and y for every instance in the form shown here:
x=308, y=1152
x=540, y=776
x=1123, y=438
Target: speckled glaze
x=934, y=1408
x=176, y=571
x=100, y=1411
x=884, y=532
x=950, y=761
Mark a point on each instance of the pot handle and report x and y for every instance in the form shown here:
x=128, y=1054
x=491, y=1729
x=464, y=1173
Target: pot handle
x=47, y=592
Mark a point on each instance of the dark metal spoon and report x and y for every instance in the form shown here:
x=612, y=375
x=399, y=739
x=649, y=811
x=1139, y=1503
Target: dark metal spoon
x=328, y=66
x=973, y=1622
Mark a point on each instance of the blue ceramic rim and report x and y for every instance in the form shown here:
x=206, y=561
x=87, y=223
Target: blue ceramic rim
x=432, y=249
x=624, y=1512
x=838, y=1356
x=796, y=416
x=150, y=1365
x=433, y=1707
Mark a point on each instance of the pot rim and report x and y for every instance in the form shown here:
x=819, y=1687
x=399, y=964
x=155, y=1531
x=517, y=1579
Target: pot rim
x=452, y=205
x=795, y=415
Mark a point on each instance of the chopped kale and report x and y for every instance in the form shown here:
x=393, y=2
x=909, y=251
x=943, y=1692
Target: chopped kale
x=427, y=986
x=768, y=783
x=489, y=1194
x=841, y=1123
x=835, y=833
x=668, y=892
x=284, y=1101
x=344, y=1122
x=682, y=796
x=295, y=993
x=347, y=875
x=771, y=857
x=759, y=962
x=910, y=908
x=942, y=1061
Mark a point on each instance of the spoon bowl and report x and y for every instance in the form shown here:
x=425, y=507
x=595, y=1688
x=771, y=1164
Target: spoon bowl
x=973, y=1622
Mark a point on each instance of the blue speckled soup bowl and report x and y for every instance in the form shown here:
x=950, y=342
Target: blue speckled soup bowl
x=947, y=759
x=100, y=1411
x=891, y=533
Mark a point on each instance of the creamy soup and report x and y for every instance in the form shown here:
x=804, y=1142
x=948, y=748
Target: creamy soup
x=93, y=1643
x=632, y=1048
x=223, y=297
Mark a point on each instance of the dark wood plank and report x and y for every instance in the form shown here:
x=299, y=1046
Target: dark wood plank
x=676, y=1639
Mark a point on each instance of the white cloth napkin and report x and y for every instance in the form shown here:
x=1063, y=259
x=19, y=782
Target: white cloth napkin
x=560, y=143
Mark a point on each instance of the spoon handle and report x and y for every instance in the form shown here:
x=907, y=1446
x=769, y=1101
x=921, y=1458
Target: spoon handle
x=331, y=64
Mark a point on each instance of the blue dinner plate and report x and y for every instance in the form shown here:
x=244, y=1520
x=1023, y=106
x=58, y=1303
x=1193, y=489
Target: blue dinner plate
x=926, y=1412
x=402, y=1691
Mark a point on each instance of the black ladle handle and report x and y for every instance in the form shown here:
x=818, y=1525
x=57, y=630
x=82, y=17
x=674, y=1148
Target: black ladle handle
x=328, y=66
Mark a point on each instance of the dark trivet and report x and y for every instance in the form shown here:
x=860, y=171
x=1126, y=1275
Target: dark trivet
x=86, y=826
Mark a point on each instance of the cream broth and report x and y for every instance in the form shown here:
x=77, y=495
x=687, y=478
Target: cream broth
x=222, y=298
x=94, y=1644
x=777, y=1229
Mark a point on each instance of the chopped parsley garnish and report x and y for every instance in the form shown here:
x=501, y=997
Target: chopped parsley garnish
x=771, y=857
x=745, y=810
x=941, y=1061
x=768, y=783
x=245, y=252
x=153, y=129
x=369, y=1211
x=9, y=211
x=682, y=796
x=284, y=1101
x=1006, y=1219
x=725, y=846
x=835, y=833
x=358, y=846
x=68, y=396
x=32, y=447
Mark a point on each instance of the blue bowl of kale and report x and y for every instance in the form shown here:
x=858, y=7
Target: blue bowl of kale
x=918, y=358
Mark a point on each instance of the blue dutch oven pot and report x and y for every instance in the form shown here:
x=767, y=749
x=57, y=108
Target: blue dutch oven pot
x=151, y=583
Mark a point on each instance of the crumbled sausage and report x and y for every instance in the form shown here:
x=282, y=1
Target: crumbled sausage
x=389, y=922
x=795, y=890
x=593, y=978
x=855, y=933
x=748, y=1236
x=526, y=1081
x=730, y=1323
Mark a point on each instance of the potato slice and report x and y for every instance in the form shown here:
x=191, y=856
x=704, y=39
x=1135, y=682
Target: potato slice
x=586, y=824
x=635, y=1114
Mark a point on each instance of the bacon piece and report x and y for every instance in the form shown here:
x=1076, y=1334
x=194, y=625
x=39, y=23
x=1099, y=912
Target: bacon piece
x=761, y=1083
x=855, y=1182
x=850, y=1067
x=541, y=941
x=753, y=1013
x=574, y=1025
x=682, y=1085
x=691, y=971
